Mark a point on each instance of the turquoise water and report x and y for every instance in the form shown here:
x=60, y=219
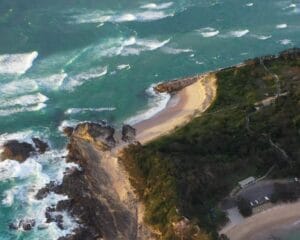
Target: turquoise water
x=63, y=62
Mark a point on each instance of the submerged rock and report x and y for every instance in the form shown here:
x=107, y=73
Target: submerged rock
x=128, y=133
x=41, y=146
x=16, y=150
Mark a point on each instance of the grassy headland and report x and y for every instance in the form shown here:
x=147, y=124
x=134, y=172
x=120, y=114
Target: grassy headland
x=253, y=124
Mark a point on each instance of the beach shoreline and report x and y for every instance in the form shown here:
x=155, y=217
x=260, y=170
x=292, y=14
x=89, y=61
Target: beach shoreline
x=190, y=101
x=272, y=222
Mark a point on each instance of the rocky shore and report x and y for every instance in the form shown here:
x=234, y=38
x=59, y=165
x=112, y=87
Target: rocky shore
x=175, y=85
x=99, y=193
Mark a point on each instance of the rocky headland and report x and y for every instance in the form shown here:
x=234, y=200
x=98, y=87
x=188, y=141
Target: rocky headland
x=99, y=194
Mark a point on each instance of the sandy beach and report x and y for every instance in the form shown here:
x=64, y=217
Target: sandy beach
x=190, y=101
x=262, y=225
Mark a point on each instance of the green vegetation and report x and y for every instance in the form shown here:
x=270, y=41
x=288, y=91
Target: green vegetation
x=188, y=172
x=286, y=192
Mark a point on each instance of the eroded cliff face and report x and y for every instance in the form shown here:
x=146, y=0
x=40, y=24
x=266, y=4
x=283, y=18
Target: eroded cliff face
x=100, y=195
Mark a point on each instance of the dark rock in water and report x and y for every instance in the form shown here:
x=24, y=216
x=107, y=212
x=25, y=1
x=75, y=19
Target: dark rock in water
x=100, y=134
x=68, y=131
x=40, y=145
x=14, y=226
x=50, y=187
x=50, y=217
x=175, y=85
x=128, y=133
x=59, y=220
x=27, y=224
x=64, y=205
x=16, y=150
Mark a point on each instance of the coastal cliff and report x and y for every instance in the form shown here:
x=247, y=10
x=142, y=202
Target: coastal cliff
x=100, y=195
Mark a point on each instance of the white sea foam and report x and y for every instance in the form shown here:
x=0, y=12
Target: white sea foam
x=18, y=87
x=139, y=45
x=239, y=33
x=8, y=196
x=208, y=32
x=123, y=66
x=281, y=26
x=16, y=63
x=157, y=6
x=152, y=44
x=10, y=111
x=170, y=50
x=67, y=123
x=156, y=103
x=34, y=175
x=100, y=17
x=81, y=78
x=285, y=41
x=25, y=100
x=52, y=82
x=292, y=5
x=152, y=15
x=81, y=110
x=24, y=136
x=262, y=37
x=10, y=169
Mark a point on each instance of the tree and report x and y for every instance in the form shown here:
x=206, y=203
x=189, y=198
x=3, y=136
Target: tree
x=244, y=207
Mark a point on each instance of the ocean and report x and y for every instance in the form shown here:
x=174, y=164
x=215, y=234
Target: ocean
x=63, y=62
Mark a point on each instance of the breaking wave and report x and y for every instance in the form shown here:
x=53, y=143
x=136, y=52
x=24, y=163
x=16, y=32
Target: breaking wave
x=156, y=103
x=208, y=32
x=157, y=6
x=239, y=33
x=100, y=17
x=16, y=63
x=262, y=37
x=81, y=78
x=281, y=26
x=80, y=110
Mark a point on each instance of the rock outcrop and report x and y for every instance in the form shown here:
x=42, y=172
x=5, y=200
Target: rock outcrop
x=99, y=134
x=16, y=150
x=98, y=197
x=128, y=133
x=68, y=131
x=40, y=145
x=24, y=224
x=175, y=85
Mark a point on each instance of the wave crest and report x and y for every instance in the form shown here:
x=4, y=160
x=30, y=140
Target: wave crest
x=16, y=63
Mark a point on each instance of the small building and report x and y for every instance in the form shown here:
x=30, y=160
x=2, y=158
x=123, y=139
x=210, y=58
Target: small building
x=246, y=182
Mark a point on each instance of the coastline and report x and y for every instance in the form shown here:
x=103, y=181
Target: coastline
x=190, y=101
x=275, y=220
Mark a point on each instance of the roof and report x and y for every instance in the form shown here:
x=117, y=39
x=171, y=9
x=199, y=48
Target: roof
x=246, y=181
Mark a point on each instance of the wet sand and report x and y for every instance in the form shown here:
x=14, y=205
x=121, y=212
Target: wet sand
x=190, y=101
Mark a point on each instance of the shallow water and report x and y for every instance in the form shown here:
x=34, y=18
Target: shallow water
x=63, y=63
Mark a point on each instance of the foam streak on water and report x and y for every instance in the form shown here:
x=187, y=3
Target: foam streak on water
x=16, y=63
